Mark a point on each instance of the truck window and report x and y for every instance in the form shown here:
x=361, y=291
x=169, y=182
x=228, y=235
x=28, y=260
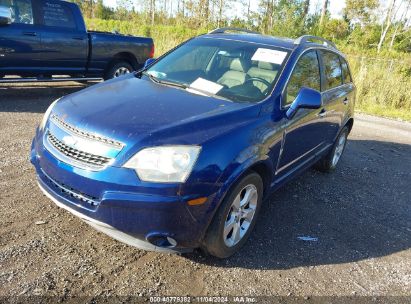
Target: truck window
x=21, y=10
x=57, y=14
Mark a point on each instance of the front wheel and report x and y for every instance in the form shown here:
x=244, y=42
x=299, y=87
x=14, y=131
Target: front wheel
x=236, y=217
x=329, y=162
x=118, y=69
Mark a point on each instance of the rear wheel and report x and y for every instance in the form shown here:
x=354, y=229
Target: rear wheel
x=329, y=162
x=117, y=69
x=236, y=217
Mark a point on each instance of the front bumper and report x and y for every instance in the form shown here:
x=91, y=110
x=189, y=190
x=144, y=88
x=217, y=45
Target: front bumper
x=114, y=202
x=109, y=230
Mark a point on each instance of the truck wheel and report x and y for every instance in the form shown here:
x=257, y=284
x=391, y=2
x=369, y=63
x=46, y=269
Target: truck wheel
x=329, y=162
x=117, y=69
x=236, y=217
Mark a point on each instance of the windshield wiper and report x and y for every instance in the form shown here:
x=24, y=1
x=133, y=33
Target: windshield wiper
x=165, y=82
x=182, y=86
x=152, y=78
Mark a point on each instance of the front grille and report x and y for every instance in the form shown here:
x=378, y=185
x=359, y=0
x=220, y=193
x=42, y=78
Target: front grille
x=85, y=134
x=89, y=159
x=66, y=190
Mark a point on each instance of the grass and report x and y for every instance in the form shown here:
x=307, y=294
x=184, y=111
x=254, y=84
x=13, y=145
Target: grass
x=383, y=84
x=382, y=111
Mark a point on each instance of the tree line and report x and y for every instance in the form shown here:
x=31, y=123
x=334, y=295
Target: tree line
x=365, y=24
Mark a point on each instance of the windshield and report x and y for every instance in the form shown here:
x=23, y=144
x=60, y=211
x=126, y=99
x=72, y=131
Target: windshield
x=234, y=70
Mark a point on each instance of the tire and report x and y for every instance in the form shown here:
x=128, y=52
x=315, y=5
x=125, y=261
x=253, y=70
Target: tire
x=117, y=69
x=330, y=161
x=221, y=242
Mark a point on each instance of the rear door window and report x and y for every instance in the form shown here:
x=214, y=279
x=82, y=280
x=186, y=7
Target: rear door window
x=57, y=14
x=332, y=70
x=346, y=71
x=305, y=74
x=21, y=10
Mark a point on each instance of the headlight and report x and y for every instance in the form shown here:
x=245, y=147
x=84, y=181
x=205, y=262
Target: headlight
x=168, y=164
x=47, y=114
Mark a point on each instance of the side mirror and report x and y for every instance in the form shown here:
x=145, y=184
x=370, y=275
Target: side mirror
x=149, y=61
x=306, y=99
x=5, y=15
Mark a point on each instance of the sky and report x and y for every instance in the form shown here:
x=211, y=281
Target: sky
x=335, y=7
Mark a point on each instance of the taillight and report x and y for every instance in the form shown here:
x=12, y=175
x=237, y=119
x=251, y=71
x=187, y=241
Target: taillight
x=151, y=52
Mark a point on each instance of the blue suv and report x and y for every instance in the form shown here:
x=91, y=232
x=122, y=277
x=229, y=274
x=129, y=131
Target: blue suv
x=182, y=154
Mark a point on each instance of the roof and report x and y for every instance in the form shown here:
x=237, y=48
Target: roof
x=286, y=43
x=255, y=37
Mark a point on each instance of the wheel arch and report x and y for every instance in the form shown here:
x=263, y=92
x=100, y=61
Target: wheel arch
x=126, y=56
x=261, y=167
x=265, y=172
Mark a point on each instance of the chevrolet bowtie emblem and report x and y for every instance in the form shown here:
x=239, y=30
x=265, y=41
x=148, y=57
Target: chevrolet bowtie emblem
x=69, y=140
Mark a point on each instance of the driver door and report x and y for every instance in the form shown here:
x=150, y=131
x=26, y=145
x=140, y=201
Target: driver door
x=304, y=133
x=64, y=42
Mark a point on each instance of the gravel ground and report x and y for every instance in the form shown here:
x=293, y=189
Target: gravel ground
x=361, y=215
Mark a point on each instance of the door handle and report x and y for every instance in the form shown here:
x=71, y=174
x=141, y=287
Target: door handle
x=322, y=113
x=345, y=101
x=78, y=38
x=29, y=33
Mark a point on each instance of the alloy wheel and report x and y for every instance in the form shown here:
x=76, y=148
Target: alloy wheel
x=241, y=215
x=121, y=71
x=339, y=149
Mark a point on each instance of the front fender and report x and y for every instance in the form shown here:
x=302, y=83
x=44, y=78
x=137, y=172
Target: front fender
x=246, y=159
x=256, y=145
x=240, y=166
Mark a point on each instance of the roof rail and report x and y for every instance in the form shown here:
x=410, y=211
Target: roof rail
x=307, y=38
x=234, y=29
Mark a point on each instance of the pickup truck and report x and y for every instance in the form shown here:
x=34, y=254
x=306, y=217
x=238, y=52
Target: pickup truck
x=41, y=38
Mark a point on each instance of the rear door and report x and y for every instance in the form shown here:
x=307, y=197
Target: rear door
x=304, y=133
x=349, y=89
x=64, y=39
x=20, y=47
x=334, y=93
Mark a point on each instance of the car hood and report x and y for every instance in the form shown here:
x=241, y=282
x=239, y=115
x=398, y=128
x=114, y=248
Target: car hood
x=130, y=109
